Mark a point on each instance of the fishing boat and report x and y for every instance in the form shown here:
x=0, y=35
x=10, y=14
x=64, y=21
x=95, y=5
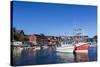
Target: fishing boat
x=37, y=48
x=65, y=48
x=93, y=48
x=81, y=47
x=81, y=44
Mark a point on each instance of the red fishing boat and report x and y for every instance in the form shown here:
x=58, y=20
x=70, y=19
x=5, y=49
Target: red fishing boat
x=81, y=44
x=81, y=47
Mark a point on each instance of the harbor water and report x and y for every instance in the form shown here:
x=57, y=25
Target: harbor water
x=30, y=56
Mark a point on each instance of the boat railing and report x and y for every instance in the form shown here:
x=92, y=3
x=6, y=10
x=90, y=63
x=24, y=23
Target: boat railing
x=92, y=43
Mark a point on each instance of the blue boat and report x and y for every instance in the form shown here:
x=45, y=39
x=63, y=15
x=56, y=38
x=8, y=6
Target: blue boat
x=92, y=52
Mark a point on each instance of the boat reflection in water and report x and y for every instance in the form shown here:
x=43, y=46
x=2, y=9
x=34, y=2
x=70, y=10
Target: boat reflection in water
x=31, y=56
x=81, y=57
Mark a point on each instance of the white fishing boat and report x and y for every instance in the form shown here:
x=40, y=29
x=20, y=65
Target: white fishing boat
x=65, y=48
x=17, y=43
x=37, y=48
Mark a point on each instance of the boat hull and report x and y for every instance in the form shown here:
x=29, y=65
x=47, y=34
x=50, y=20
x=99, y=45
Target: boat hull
x=65, y=49
x=82, y=47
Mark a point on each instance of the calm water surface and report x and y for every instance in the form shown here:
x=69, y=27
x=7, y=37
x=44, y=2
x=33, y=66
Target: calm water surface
x=25, y=56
